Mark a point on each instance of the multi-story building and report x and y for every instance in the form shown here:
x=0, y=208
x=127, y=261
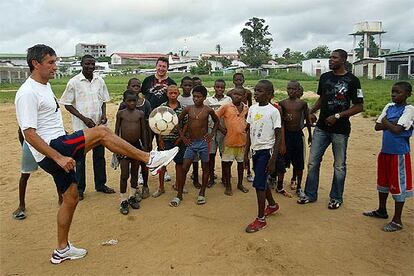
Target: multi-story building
x=96, y=50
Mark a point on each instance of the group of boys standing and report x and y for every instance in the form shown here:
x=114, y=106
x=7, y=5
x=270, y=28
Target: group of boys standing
x=226, y=122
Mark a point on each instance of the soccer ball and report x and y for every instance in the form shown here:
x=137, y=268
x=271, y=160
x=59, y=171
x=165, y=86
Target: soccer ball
x=162, y=120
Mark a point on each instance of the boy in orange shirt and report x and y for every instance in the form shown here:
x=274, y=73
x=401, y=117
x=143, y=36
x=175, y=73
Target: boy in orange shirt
x=234, y=115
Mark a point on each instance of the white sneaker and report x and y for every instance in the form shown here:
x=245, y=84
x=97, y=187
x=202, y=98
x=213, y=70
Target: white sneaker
x=167, y=177
x=140, y=179
x=158, y=159
x=71, y=254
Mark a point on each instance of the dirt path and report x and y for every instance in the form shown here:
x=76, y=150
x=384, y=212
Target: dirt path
x=209, y=239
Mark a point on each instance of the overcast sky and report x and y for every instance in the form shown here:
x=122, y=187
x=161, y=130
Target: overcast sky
x=139, y=26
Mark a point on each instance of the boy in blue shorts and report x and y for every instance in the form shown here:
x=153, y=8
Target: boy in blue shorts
x=263, y=138
x=198, y=141
x=394, y=173
x=172, y=140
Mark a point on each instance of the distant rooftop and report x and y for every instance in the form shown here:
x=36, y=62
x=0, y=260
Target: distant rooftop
x=6, y=55
x=398, y=53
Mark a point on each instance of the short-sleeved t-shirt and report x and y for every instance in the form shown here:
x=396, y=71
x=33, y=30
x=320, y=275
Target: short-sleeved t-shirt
x=37, y=108
x=155, y=91
x=236, y=124
x=87, y=97
x=263, y=121
x=404, y=115
x=215, y=104
x=337, y=92
x=186, y=101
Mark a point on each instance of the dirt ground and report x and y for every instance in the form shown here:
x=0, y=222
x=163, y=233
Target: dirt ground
x=209, y=239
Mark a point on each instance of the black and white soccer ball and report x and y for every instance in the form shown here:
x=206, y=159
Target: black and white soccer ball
x=162, y=120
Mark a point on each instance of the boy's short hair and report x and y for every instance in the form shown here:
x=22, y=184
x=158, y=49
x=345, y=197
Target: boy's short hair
x=268, y=85
x=132, y=79
x=405, y=85
x=128, y=93
x=163, y=59
x=296, y=83
x=196, y=78
x=38, y=53
x=238, y=73
x=220, y=80
x=200, y=89
x=185, y=79
x=342, y=53
x=86, y=57
x=171, y=87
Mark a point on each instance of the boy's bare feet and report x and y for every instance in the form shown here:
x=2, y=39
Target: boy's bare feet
x=228, y=192
x=197, y=184
x=242, y=188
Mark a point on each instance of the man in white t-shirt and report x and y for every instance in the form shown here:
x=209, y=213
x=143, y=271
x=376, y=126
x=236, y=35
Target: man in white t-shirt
x=85, y=97
x=263, y=138
x=40, y=120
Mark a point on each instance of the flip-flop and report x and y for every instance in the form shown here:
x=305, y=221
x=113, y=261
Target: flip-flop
x=157, y=193
x=175, y=202
x=19, y=214
x=243, y=189
x=284, y=193
x=201, y=200
x=375, y=214
x=392, y=227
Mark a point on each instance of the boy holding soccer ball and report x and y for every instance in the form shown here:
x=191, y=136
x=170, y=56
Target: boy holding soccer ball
x=197, y=141
x=172, y=140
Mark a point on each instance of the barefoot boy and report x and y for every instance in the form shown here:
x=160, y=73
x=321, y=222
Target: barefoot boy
x=394, y=163
x=264, y=135
x=234, y=117
x=172, y=140
x=293, y=110
x=198, y=140
x=131, y=126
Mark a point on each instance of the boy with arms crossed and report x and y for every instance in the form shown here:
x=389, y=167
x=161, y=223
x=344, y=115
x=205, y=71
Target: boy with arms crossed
x=198, y=140
x=234, y=116
x=293, y=110
x=394, y=163
x=263, y=137
x=130, y=125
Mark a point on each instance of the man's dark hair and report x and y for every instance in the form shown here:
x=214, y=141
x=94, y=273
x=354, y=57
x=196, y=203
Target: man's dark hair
x=235, y=74
x=38, y=53
x=185, y=79
x=196, y=79
x=163, y=59
x=220, y=80
x=268, y=86
x=342, y=53
x=200, y=89
x=405, y=85
x=86, y=57
x=128, y=93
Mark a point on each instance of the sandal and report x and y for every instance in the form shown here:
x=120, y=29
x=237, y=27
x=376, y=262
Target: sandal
x=157, y=193
x=334, y=204
x=19, y=214
x=175, y=202
x=375, y=214
x=106, y=190
x=243, y=189
x=392, y=227
x=283, y=192
x=201, y=200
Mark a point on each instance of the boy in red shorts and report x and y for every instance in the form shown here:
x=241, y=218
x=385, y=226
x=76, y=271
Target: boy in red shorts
x=394, y=165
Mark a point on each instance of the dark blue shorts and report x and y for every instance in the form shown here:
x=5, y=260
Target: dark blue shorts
x=199, y=148
x=295, y=151
x=72, y=145
x=179, y=158
x=260, y=160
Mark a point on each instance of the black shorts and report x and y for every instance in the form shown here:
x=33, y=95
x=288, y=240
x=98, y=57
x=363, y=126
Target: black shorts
x=72, y=145
x=295, y=151
x=179, y=158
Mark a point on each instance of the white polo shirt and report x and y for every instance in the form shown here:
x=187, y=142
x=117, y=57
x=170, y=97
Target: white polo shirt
x=87, y=97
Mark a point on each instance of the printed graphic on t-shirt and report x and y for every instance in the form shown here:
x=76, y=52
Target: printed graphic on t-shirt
x=337, y=96
x=159, y=89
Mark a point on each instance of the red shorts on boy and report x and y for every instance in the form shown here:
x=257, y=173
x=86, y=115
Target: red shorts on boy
x=394, y=175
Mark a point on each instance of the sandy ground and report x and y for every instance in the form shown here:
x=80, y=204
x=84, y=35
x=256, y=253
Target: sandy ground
x=209, y=239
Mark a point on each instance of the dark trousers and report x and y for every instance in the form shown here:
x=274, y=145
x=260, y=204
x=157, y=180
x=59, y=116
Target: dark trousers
x=99, y=169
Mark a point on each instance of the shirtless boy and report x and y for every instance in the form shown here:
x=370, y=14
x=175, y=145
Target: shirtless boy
x=197, y=141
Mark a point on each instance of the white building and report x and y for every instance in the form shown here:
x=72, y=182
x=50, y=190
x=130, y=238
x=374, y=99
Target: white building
x=315, y=66
x=370, y=68
x=95, y=50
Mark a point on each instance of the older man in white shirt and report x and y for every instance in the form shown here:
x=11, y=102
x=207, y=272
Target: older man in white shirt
x=85, y=97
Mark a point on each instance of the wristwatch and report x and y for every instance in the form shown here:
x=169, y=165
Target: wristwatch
x=337, y=116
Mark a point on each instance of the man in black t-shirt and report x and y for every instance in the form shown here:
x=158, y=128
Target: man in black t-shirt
x=154, y=87
x=337, y=89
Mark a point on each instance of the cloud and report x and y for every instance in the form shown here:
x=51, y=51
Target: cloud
x=164, y=26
